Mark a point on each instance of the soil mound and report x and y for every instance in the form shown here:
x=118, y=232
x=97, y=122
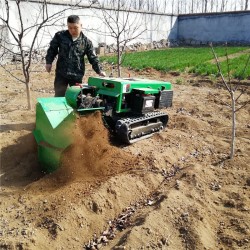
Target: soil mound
x=91, y=154
x=90, y=158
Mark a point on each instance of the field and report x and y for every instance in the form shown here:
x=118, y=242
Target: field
x=193, y=60
x=174, y=191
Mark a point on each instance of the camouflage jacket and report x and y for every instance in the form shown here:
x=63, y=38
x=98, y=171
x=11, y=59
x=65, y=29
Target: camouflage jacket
x=70, y=62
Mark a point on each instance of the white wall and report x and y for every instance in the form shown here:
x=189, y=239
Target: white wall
x=200, y=28
x=157, y=26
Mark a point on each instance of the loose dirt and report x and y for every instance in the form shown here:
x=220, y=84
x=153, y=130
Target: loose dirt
x=175, y=190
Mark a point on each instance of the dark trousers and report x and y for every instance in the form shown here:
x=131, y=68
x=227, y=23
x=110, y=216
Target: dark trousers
x=61, y=83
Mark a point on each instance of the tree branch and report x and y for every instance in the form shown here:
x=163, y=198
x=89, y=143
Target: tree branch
x=228, y=69
x=241, y=93
x=20, y=80
x=219, y=68
x=244, y=105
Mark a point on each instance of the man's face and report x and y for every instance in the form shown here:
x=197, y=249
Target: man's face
x=74, y=29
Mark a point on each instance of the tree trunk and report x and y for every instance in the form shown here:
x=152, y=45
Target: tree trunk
x=28, y=95
x=217, y=6
x=205, y=8
x=178, y=7
x=233, y=125
x=118, y=58
x=192, y=6
x=119, y=65
x=246, y=5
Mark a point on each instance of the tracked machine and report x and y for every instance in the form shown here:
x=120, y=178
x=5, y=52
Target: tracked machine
x=131, y=108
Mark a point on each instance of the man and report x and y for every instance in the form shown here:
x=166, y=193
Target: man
x=71, y=46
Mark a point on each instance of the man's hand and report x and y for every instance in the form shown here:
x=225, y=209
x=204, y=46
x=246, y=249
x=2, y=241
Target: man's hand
x=102, y=73
x=48, y=67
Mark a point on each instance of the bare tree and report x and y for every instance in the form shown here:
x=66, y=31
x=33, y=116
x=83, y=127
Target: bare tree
x=197, y=6
x=235, y=93
x=211, y=5
x=192, y=6
x=246, y=5
x=178, y=7
x=223, y=5
x=164, y=7
x=202, y=6
x=17, y=35
x=216, y=6
x=205, y=6
x=124, y=25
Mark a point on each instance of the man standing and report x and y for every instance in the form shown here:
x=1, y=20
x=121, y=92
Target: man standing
x=71, y=46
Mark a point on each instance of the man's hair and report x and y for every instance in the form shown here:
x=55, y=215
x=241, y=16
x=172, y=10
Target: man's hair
x=73, y=19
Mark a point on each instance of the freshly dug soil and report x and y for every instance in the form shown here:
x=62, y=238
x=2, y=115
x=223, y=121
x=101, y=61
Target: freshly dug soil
x=175, y=190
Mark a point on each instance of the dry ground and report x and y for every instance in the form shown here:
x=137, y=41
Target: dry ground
x=176, y=190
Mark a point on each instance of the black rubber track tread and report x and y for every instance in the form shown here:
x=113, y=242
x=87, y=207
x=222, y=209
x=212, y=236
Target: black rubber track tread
x=123, y=125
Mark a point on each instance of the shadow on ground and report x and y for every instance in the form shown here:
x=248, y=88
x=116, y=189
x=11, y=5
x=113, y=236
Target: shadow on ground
x=19, y=163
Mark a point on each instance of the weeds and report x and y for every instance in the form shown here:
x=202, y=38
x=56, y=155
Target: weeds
x=179, y=81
